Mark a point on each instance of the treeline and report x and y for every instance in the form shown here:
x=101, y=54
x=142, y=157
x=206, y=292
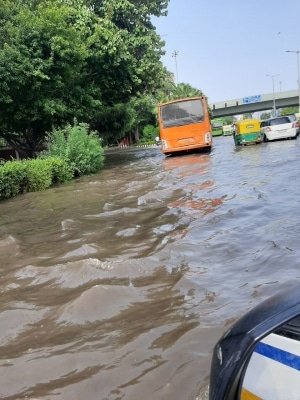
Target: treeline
x=94, y=61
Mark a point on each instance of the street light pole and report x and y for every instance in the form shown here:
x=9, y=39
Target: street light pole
x=174, y=55
x=274, y=104
x=298, y=67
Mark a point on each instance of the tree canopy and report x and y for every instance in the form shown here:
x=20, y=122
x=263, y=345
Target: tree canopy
x=171, y=91
x=289, y=110
x=66, y=59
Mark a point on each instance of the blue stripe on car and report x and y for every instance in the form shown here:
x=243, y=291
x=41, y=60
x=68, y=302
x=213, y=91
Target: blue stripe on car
x=281, y=356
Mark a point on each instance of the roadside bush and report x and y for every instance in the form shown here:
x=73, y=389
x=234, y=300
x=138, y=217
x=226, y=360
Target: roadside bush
x=150, y=131
x=80, y=149
x=13, y=179
x=71, y=152
x=60, y=170
x=32, y=175
x=149, y=134
x=39, y=174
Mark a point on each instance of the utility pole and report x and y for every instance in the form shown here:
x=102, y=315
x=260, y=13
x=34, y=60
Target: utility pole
x=174, y=55
x=298, y=67
x=274, y=104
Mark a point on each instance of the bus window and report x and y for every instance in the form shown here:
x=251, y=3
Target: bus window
x=183, y=113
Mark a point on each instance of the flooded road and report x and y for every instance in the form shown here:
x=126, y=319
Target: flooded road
x=118, y=285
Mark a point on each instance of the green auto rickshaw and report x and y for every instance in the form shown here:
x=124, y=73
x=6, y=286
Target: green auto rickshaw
x=247, y=131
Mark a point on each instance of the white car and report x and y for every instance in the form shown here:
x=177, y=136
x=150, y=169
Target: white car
x=227, y=130
x=278, y=128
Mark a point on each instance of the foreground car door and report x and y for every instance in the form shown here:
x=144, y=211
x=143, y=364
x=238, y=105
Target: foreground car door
x=259, y=357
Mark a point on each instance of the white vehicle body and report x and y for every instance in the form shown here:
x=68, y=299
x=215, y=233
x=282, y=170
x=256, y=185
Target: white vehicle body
x=273, y=372
x=278, y=128
x=227, y=130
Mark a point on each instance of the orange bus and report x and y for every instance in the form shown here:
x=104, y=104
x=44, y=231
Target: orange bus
x=184, y=125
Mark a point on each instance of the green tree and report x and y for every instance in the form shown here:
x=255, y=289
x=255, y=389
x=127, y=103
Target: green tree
x=42, y=60
x=114, y=122
x=227, y=120
x=149, y=133
x=145, y=110
x=171, y=91
x=66, y=59
x=289, y=110
x=265, y=115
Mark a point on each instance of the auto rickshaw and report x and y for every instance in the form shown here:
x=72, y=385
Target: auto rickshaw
x=247, y=131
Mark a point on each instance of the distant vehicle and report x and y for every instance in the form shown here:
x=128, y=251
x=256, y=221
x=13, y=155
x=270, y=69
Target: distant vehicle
x=227, y=130
x=247, y=131
x=184, y=125
x=278, y=128
x=259, y=356
x=217, y=127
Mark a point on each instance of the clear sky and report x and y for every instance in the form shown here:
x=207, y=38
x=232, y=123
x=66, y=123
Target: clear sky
x=226, y=48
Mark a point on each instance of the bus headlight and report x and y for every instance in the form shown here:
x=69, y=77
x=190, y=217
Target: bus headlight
x=164, y=144
x=207, y=137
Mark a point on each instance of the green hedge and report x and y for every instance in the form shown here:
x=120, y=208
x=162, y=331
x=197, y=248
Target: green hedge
x=13, y=179
x=60, y=170
x=38, y=174
x=72, y=151
x=32, y=175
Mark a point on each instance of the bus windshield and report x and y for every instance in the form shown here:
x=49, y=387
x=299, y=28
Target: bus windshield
x=182, y=113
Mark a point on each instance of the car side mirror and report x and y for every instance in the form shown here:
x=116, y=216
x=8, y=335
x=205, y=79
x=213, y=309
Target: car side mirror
x=264, y=341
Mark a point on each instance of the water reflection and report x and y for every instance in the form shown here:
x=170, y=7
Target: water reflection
x=189, y=162
x=194, y=170
x=206, y=206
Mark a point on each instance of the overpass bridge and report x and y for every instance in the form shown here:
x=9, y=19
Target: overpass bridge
x=251, y=104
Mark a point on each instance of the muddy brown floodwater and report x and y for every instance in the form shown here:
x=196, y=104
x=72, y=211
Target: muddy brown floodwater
x=118, y=285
